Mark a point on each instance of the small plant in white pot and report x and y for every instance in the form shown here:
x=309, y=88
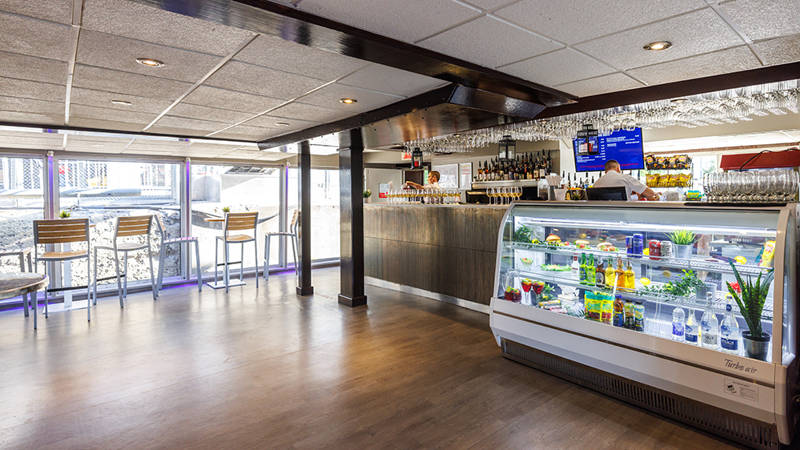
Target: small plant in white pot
x=751, y=301
x=683, y=241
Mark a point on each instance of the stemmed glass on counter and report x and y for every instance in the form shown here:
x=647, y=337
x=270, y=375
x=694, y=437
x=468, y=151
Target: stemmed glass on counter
x=754, y=186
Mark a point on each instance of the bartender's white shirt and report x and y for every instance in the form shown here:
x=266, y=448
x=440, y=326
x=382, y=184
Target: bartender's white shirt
x=434, y=185
x=612, y=178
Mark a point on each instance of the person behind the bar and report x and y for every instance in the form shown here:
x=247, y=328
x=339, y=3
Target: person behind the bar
x=433, y=182
x=614, y=178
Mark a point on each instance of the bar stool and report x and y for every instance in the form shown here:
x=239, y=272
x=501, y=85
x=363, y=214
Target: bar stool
x=23, y=255
x=62, y=231
x=235, y=222
x=188, y=240
x=127, y=226
x=292, y=233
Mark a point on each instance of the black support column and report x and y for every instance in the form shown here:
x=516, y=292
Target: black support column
x=304, y=200
x=351, y=203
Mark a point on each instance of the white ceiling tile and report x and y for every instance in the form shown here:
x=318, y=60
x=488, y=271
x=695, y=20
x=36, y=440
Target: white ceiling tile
x=206, y=113
x=102, y=99
x=723, y=61
x=489, y=4
x=600, y=85
x=14, y=65
x=272, y=122
x=489, y=42
x=31, y=89
x=111, y=125
x=31, y=140
x=91, y=112
x=137, y=21
x=259, y=80
x=781, y=50
x=190, y=124
x=573, y=21
x=392, y=81
x=763, y=19
x=31, y=116
x=114, y=52
x=31, y=106
x=177, y=131
x=691, y=34
x=328, y=97
x=409, y=20
x=55, y=10
x=128, y=83
x=233, y=100
x=559, y=67
x=302, y=111
x=246, y=133
x=35, y=37
x=277, y=53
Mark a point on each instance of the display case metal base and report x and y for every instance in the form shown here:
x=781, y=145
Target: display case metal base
x=735, y=427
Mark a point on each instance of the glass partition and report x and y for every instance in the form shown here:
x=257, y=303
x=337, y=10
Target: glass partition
x=325, y=216
x=102, y=191
x=238, y=188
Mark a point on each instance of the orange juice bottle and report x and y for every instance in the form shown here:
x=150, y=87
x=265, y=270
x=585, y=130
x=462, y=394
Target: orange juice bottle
x=620, y=275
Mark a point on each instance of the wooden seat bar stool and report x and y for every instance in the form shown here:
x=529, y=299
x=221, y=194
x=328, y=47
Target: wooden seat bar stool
x=246, y=221
x=23, y=255
x=60, y=232
x=127, y=227
x=291, y=234
x=165, y=242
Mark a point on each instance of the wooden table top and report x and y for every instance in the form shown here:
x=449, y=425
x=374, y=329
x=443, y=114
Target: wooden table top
x=214, y=219
x=13, y=284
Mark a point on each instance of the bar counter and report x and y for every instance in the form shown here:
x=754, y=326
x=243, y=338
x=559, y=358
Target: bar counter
x=446, y=250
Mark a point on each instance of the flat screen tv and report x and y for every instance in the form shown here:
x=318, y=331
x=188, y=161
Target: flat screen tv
x=623, y=146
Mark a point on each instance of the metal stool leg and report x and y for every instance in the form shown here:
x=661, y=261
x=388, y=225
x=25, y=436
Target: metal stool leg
x=216, y=261
x=241, y=261
x=25, y=297
x=119, y=281
x=294, y=253
x=160, y=278
x=152, y=277
x=197, y=262
x=35, y=296
x=88, y=290
x=94, y=283
x=266, y=257
x=226, y=274
x=45, y=290
x=125, y=276
x=255, y=251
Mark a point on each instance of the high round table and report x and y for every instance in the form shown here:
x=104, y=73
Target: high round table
x=20, y=283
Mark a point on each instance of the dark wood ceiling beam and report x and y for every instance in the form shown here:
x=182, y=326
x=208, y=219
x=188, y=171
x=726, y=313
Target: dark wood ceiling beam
x=678, y=89
x=291, y=24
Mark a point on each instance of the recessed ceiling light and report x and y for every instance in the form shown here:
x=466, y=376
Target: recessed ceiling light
x=348, y=100
x=121, y=102
x=658, y=45
x=679, y=100
x=149, y=62
x=283, y=124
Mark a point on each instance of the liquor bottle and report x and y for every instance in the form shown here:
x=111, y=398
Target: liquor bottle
x=630, y=278
x=709, y=325
x=590, y=271
x=690, y=333
x=729, y=332
x=549, y=162
x=600, y=274
x=543, y=169
x=619, y=274
x=575, y=264
x=582, y=269
x=611, y=274
x=678, y=318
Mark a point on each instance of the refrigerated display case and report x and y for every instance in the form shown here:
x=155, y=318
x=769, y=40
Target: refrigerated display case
x=659, y=328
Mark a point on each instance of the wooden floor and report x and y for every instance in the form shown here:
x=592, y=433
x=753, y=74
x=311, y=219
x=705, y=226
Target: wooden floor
x=267, y=369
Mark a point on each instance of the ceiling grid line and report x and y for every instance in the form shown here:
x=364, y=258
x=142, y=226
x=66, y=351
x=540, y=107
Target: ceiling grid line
x=77, y=19
x=197, y=84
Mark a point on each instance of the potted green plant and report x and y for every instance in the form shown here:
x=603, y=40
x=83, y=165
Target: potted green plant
x=751, y=303
x=367, y=193
x=683, y=241
x=226, y=209
x=64, y=214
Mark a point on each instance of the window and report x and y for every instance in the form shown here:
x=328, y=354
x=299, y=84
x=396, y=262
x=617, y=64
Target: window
x=104, y=190
x=21, y=202
x=325, y=216
x=240, y=188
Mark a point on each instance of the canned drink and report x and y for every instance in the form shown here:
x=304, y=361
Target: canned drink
x=629, y=245
x=630, y=321
x=654, y=245
x=666, y=249
x=638, y=244
x=638, y=315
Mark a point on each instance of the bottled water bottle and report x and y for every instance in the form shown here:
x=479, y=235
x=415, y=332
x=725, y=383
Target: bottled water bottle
x=678, y=317
x=709, y=326
x=729, y=332
x=691, y=329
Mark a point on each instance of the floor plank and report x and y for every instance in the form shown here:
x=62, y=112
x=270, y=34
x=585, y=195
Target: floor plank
x=265, y=368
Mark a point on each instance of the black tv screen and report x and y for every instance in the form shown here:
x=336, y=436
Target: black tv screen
x=624, y=146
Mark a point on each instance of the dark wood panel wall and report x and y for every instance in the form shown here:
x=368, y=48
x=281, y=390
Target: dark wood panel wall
x=449, y=250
